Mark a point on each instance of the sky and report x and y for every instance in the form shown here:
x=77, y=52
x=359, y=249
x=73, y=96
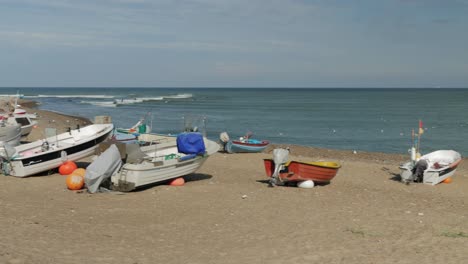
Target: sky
x=233, y=43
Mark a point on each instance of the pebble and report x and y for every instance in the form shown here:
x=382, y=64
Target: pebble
x=420, y=214
x=244, y=196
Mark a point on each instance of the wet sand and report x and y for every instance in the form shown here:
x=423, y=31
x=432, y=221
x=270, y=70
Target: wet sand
x=226, y=213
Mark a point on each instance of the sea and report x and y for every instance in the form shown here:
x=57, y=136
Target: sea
x=354, y=119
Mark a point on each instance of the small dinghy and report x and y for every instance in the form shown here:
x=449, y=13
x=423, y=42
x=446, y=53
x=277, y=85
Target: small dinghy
x=431, y=168
x=245, y=144
x=282, y=171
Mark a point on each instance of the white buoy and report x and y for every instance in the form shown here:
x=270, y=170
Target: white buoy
x=306, y=184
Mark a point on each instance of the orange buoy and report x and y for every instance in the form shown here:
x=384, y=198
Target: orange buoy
x=177, y=182
x=80, y=171
x=74, y=182
x=67, y=168
x=448, y=180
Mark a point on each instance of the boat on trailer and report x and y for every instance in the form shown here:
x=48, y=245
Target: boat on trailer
x=49, y=153
x=431, y=168
x=160, y=160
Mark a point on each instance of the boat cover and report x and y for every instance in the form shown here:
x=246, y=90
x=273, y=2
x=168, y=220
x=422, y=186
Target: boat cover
x=102, y=168
x=6, y=151
x=190, y=143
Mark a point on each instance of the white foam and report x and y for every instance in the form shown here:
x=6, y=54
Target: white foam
x=136, y=100
x=100, y=103
x=179, y=96
x=70, y=96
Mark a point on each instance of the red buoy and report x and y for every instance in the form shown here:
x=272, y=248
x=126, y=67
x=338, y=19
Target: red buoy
x=67, y=168
x=177, y=182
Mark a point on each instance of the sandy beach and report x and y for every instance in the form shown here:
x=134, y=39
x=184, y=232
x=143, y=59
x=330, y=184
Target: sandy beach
x=226, y=213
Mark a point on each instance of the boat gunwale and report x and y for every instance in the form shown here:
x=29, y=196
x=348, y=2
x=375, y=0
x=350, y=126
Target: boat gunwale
x=263, y=144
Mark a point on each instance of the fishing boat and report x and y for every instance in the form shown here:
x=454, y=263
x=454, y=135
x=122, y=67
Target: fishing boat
x=49, y=153
x=245, y=144
x=296, y=171
x=166, y=158
x=431, y=168
x=26, y=124
x=24, y=121
x=142, y=126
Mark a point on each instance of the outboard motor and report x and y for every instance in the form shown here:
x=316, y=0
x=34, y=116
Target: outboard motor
x=419, y=169
x=411, y=172
x=45, y=146
x=407, y=172
x=280, y=157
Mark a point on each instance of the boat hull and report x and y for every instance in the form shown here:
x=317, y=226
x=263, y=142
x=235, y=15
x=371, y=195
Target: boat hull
x=158, y=166
x=320, y=172
x=29, y=165
x=132, y=176
x=242, y=147
x=447, y=162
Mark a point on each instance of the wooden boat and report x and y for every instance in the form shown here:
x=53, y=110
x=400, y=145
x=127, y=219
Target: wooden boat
x=319, y=172
x=246, y=146
x=41, y=155
x=431, y=168
x=158, y=162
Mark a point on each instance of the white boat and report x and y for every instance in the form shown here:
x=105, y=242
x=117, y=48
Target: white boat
x=22, y=113
x=42, y=155
x=141, y=127
x=26, y=124
x=10, y=131
x=431, y=168
x=157, y=162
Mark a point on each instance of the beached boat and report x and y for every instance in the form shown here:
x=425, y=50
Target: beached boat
x=10, y=131
x=26, y=124
x=295, y=171
x=140, y=127
x=165, y=159
x=431, y=168
x=22, y=113
x=42, y=155
x=130, y=135
x=245, y=144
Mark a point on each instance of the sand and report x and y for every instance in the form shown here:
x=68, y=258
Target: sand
x=225, y=213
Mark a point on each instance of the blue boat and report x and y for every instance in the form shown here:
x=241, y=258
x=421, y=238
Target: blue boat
x=246, y=146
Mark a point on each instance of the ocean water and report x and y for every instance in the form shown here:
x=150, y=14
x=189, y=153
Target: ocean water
x=378, y=120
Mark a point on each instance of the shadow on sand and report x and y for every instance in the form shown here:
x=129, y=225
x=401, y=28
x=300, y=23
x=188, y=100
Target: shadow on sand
x=188, y=178
x=393, y=176
x=292, y=183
